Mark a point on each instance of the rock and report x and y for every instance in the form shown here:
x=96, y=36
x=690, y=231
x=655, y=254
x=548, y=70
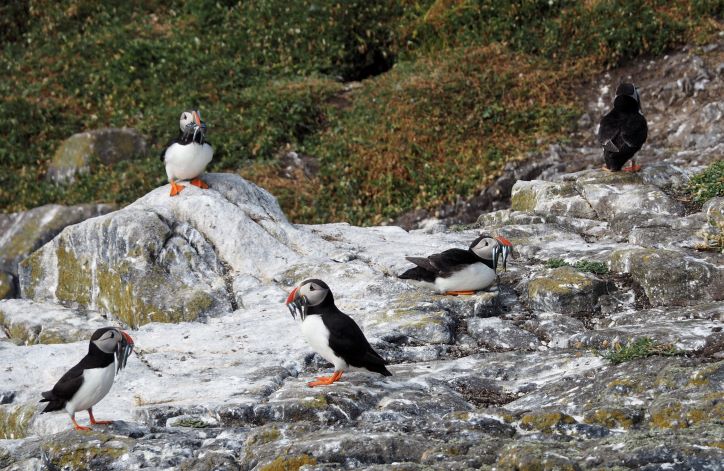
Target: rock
x=23, y=233
x=545, y=421
x=28, y=322
x=670, y=277
x=168, y=259
x=541, y=197
x=501, y=335
x=412, y=326
x=565, y=290
x=613, y=194
x=7, y=285
x=554, y=329
x=106, y=146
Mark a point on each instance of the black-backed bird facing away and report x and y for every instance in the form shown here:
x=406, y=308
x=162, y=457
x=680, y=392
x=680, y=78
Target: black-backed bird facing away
x=84, y=385
x=459, y=271
x=623, y=130
x=187, y=156
x=332, y=333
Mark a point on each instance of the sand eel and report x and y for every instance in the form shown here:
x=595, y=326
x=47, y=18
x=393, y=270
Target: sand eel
x=187, y=156
x=84, y=385
x=623, y=130
x=458, y=271
x=332, y=333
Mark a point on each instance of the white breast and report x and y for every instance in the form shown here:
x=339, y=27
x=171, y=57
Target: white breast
x=187, y=162
x=471, y=278
x=96, y=384
x=317, y=336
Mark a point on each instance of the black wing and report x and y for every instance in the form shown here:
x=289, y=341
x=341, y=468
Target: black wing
x=635, y=131
x=347, y=341
x=64, y=389
x=451, y=260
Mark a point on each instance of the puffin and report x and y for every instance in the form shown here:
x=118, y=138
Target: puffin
x=84, y=385
x=458, y=271
x=332, y=333
x=187, y=156
x=623, y=130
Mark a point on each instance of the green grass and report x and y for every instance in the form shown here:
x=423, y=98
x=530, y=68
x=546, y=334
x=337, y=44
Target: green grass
x=707, y=184
x=597, y=268
x=465, y=86
x=642, y=347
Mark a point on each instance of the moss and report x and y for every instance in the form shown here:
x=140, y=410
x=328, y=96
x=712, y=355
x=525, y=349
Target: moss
x=561, y=281
x=614, y=417
x=533, y=457
x=545, y=421
x=668, y=416
x=317, y=402
x=264, y=436
x=74, y=277
x=524, y=200
x=289, y=463
x=15, y=420
x=81, y=454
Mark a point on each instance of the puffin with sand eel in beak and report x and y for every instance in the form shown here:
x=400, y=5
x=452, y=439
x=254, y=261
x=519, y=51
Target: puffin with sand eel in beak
x=84, y=385
x=331, y=333
x=458, y=271
x=187, y=156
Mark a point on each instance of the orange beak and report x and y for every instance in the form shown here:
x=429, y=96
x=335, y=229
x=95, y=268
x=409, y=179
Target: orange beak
x=197, y=118
x=504, y=241
x=128, y=338
x=292, y=295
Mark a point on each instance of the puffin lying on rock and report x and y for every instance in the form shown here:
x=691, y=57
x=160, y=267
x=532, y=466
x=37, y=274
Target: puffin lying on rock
x=84, y=385
x=623, y=130
x=458, y=271
x=187, y=156
x=332, y=333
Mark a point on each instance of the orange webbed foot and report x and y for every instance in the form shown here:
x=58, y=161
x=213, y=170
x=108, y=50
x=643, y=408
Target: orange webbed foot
x=93, y=420
x=605, y=169
x=79, y=427
x=200, y=183
x=633, y=168
x=325, y=380
x=176, y=188
x=456, y=293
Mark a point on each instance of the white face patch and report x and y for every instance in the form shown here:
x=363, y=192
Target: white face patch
x=186, y=121
x=314, y=293
x=485, y=248
x=109, y=341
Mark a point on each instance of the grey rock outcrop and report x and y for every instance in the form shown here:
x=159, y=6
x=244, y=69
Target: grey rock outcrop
x=106, y=146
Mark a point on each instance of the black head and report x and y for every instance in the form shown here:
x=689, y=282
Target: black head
x=627, y=97
x=310, y=297
x=110, y=340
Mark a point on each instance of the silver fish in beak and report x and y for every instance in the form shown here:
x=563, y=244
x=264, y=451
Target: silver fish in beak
x=297, y=304
x=504, y=249
x=123, y=351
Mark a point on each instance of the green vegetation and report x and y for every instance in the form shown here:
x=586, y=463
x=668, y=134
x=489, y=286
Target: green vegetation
x=707, y=184
x=597, y=268
x=453, y=89
x=642, y=347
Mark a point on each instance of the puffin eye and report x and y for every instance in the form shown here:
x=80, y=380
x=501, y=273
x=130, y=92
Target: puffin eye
x=311, y=287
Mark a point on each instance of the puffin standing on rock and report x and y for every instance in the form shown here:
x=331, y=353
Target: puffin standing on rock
x=187, y=156
x=623, y=130
x=458, y=271
x=84, y=385
x=332, y=333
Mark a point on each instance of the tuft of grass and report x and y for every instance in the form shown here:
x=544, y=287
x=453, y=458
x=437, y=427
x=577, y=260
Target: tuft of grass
x=597, y=268
x=707, y=184
x=642, y=347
